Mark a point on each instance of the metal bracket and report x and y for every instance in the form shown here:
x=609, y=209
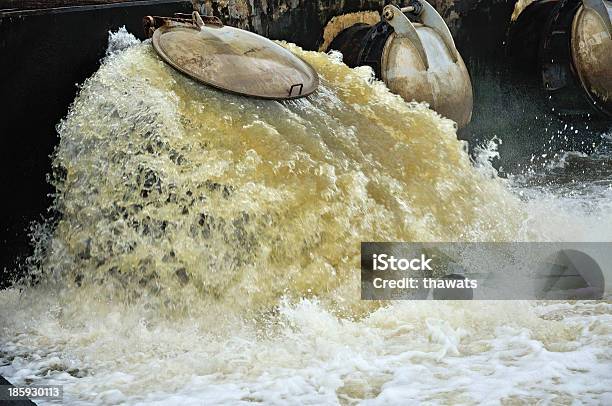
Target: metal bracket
x=414, y=7
x=300, y=85
x=151, y=23
x=404, y=28
x=429, y=17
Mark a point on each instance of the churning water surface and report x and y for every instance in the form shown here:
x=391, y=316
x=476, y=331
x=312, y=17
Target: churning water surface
x=205, y=250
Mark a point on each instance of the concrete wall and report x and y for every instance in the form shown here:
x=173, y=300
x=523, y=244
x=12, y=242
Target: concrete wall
x=302, y=21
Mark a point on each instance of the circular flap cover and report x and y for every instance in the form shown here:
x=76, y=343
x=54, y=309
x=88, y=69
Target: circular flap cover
x=236, y=61
x=592, y=55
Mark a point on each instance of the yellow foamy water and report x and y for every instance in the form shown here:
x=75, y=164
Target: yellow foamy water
x=187, y=194
x=207, y=252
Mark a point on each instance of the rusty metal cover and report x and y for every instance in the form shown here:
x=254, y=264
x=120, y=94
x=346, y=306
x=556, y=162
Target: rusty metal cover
x=236, y=61
x=592, y=51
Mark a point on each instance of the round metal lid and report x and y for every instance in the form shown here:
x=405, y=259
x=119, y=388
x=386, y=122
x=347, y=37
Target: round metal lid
x=236, y=61
x=592, y=53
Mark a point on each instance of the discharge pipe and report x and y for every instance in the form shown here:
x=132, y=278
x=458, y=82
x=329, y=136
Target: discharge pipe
x=568, y=44
x=412, y=50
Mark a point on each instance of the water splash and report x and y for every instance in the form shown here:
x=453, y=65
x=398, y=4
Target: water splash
x=176, y=193
x=207, y=245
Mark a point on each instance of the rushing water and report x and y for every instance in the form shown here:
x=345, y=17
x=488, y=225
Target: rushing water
x=205, y=250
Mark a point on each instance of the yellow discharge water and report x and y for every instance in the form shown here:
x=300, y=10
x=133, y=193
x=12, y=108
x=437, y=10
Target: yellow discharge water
x=186, y=214
x=189, y=196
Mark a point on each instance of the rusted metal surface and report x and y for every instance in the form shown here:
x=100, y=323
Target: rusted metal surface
x=567, y=45
x=592, y=52
x=299, y=21
x=151, y=23
x=231, y=59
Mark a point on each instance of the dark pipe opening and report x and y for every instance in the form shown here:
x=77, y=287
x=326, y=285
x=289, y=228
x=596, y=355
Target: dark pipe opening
x=363, y=45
